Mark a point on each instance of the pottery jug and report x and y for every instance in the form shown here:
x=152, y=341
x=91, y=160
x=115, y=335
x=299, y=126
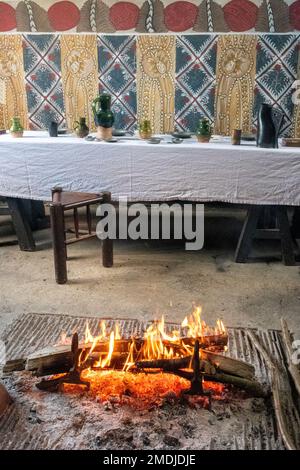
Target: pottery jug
x=103, y=116
x=16, y=129
x=81, y=129
x=269, y=122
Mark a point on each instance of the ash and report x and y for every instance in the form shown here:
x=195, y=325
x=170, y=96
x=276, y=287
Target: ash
x=40, y=420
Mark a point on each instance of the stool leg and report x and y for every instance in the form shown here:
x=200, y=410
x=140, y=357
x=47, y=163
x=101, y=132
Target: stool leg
x=59, y=246
x=247, y=235
x=107, y=253
x=107, y=245
x=287, y=247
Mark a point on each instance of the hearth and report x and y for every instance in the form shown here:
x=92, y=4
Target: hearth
x=144, y=388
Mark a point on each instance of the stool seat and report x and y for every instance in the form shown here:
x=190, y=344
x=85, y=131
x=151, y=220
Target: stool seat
x=70, y=198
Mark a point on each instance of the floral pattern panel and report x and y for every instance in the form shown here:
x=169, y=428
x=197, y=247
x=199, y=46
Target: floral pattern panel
x=42, y=64
x=12, y=90
x=156, y=81
x=195, y=79
x=276, y=71
x=235, y=83
x=80, y=76
x=117, y=76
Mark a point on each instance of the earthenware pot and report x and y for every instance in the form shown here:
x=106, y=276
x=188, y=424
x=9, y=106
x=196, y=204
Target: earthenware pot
x=16, y=129
x=145, y=129
x=81, y=129
x=203, y=132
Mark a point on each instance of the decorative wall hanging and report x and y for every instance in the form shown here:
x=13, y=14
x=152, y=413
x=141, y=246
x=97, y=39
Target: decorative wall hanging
x=150, y=16
x=276, y=71
x=52, y=68
x=42, y=65
x=195, y=79
x=296, y=117
x=80, y=76
x=155, y=81
x=13, y=96
x=235, y=83
x=117, y=76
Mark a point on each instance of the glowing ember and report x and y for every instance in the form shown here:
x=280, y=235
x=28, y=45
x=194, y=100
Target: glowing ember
x=139, y=390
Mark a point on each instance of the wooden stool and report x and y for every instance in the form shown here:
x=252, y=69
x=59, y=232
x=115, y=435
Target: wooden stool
x=64, y=201
x=251, y=230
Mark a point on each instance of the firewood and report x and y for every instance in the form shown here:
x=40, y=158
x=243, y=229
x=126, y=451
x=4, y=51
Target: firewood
x=252, y=387
x=229, y=365
x=216, y=342
x=169, y=365
x=284, y=407
x=289, y=351
x=14, y=365
x=221, y=363
x=59, y=358
x=5, y=399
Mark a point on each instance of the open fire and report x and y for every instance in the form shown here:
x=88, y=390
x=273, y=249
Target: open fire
x=111, y=351
x=163, y=361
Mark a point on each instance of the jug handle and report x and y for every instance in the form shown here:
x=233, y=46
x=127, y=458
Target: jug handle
x=94, y=105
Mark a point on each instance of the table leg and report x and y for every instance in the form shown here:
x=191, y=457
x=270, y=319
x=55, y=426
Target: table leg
x=248, y=232
x=21, y=224
x=287, y=246
x=35, y=213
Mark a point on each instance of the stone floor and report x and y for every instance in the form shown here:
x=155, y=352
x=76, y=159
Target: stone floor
x=153, y=278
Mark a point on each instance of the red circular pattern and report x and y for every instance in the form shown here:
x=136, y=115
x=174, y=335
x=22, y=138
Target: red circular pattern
x=180, y=16
x=7, y=17
x=240, y=15
x=63, y=16
x=295, y=15
x=124, y=15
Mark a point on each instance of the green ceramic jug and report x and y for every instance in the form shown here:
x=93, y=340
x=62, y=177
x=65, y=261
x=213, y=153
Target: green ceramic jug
x=103, y=116
x=16, y=129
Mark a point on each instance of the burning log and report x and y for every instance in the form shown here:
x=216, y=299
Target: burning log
x=58, y=359
x=71, y=377
x=210, y=342
x=288, y=347
x=252, y=387
x=209, y=359
x=169, y=365
x=285, y=410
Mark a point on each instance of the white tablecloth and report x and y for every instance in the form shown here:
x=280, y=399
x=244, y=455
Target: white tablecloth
x=32, y=165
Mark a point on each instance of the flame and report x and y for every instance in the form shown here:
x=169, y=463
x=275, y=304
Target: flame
x=157, y=343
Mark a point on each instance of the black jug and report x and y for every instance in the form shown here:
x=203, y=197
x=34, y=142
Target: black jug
x=53, y=129
x=269, y=122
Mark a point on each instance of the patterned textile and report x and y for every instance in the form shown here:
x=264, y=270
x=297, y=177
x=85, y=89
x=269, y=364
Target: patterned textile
x=148, y=16
x=173, y=80
x=195, y=79
x=42, y=65
x=117, y=76
x=276, y=71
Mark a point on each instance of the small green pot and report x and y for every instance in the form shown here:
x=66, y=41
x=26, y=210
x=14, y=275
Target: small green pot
x=81, y=129
x=203, y=132
x=145, y=129
x=16, y=129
